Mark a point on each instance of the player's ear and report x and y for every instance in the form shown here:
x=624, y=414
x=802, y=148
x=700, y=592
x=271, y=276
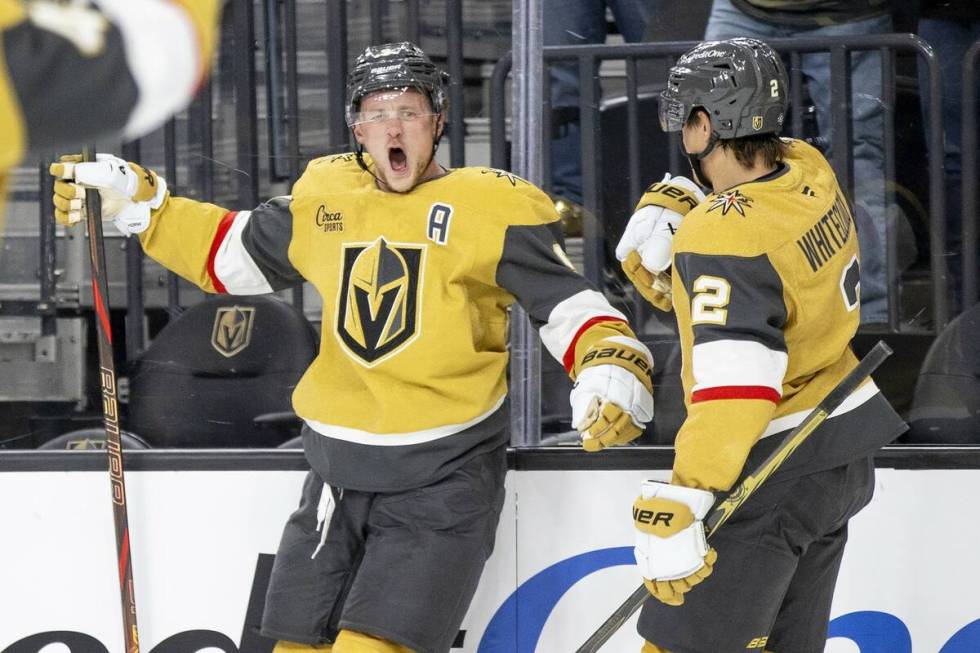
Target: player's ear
x=358, y=134
x=440, y=124
x=702, y=120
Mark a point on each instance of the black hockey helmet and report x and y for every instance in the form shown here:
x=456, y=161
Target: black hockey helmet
x=741, y=83
x=395, y=66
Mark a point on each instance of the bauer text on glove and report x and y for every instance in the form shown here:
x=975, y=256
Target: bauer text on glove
x=645, y=247
x=612, y=399
x=671, y=551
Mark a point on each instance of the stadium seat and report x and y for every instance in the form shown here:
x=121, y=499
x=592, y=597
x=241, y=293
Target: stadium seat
x=92, y=438
x=292, y=443
x=946, y=403
x=221, y=375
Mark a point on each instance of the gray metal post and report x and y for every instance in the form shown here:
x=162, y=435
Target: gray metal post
x=937, y=192
x=525, y=349
x=337, y=75
x=454, y=56
x=243, y=66
x=414, y=20
x=135, y=300
x=588, y=110
x=170, y=165
x=841, y=129
x=969, y=176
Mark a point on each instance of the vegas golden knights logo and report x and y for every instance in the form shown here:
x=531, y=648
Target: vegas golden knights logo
x=232, y=330
x=377, y=312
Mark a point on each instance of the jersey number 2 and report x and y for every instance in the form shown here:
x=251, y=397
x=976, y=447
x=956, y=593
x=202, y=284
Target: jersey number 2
x=711, y=297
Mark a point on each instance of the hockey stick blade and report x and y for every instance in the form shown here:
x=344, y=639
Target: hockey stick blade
x=723, y=510
x=110, y=414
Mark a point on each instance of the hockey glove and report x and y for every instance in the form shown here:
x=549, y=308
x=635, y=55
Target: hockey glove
x=671, y=552
x=129, y=191
x=612, y=399
x=645, y=247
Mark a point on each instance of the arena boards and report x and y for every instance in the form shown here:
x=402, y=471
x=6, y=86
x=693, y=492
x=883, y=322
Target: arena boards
x=204, y=528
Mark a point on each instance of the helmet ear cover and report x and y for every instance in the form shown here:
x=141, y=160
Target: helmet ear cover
x=741, y=83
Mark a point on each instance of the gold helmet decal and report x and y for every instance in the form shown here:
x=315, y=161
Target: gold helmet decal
x=378, y=305
x=232, y=331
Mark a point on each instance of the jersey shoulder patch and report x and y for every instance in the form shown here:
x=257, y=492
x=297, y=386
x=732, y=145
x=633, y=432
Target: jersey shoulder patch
x=505, y=197
x=344, y=159
x=331, y=172
x=499, y=177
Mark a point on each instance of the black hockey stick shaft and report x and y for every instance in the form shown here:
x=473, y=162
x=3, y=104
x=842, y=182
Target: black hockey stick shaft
x=722, y=511
x=110, y=414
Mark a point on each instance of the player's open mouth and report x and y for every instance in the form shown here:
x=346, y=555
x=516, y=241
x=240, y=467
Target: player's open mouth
x=397, y=159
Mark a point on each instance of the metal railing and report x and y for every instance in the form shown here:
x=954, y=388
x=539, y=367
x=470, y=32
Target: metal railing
x=263, y=82
x=971, y=185
x=588, y=59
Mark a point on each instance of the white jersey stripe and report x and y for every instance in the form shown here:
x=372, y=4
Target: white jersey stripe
x=234, y=266
x=791, y=421
x=738, y=363
x=163, y=52
x=568, y=316
x=397, y=439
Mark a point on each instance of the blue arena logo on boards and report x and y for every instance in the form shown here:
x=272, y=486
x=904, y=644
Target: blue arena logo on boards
x=517, y=625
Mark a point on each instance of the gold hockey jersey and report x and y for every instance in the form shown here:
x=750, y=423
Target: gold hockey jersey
x=766, y=285
x=70, y=73
x=411, y=373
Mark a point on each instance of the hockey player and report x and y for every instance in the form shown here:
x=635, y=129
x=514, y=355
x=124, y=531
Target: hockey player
x=763, y=278
x=405, y=407
x=74, y=72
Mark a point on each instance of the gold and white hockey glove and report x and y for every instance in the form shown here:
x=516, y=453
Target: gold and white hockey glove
x=671, y=551
x=612, y=399
x=645, y=247
x=129, y=191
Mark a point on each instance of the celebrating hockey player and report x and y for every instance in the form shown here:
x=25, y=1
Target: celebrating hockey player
x=75, y=72
x=763, y=277
x=405, y=408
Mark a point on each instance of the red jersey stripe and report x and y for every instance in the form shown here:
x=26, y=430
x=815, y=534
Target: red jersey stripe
x=736, y=392
x=219, y=238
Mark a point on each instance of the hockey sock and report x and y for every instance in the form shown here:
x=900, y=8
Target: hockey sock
x=350, y=641
x=652, y=648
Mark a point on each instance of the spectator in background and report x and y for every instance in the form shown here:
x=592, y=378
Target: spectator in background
x=579, y=22
x=951, y=27
x=766, y=19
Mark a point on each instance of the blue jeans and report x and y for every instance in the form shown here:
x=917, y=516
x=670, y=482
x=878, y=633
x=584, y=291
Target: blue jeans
x=580, y=22
x=867, y=130
x=951, y=40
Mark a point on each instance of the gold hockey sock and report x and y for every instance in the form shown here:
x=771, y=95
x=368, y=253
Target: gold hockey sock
x=283, y=646
x=650, y=648
x=350, y=641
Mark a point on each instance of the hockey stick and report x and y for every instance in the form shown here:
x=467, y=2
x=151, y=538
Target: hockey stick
x=720, y=514
x=110, y=414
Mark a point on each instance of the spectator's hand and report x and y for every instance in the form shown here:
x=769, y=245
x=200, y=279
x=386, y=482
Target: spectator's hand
x=645, y=247
x=128, y=191
x=612, y=399
x=671, y=552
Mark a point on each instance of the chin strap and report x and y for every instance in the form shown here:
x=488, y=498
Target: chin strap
x=695, y=160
